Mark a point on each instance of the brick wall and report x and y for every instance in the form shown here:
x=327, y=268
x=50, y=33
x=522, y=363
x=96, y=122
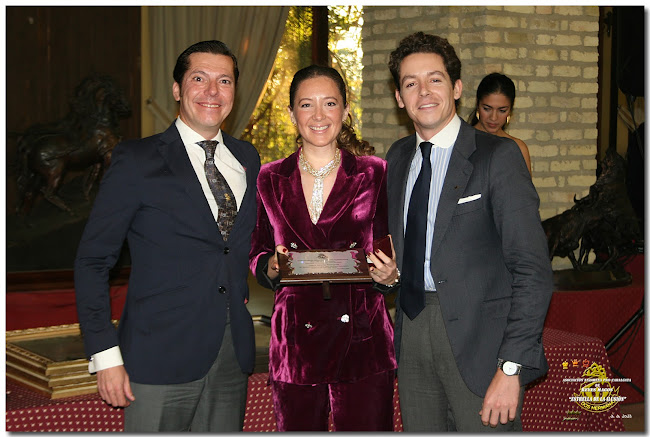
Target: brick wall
x=551, y=54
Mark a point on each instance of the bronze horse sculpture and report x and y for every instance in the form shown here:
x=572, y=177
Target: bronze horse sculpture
x=82, y=141
x=603, y=222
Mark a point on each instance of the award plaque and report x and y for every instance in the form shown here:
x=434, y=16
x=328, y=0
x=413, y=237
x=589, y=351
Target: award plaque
x=323, y=266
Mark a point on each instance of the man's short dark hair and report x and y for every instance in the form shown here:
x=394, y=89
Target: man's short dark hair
x=215, y=47
x=421, y=42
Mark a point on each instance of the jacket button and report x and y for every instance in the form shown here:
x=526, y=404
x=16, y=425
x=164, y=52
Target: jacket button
x=222, y=289
x=226, y=250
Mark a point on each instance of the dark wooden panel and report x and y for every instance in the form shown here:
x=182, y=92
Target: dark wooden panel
x=40, y=281
x=51, y=49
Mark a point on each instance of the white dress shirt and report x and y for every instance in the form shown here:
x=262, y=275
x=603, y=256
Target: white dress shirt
x=235, y=175
x=228, y=166
x=441, y=151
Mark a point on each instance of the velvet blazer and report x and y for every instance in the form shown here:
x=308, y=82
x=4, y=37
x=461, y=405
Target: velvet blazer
x=184, y=276
x=349, y=336
x=489, y=257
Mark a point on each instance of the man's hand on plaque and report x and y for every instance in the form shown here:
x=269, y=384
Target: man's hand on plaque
x=273, y=270
x=384, y=269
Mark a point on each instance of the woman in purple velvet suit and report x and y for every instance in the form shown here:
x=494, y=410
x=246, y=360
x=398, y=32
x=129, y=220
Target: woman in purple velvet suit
x=332, y=354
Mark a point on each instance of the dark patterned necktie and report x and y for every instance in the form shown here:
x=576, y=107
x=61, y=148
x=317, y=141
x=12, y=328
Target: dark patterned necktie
x=220, y=189
x=415, y=242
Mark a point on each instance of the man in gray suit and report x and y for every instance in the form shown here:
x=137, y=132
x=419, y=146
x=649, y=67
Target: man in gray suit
x=475, y=291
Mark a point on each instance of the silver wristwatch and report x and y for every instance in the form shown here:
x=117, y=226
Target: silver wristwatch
x=508, y=367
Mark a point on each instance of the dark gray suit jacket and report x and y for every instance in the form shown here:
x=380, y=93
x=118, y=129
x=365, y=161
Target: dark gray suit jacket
x=183, y=274
x=489, y=256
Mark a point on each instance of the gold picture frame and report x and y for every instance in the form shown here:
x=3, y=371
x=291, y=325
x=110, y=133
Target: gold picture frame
x=49, y=360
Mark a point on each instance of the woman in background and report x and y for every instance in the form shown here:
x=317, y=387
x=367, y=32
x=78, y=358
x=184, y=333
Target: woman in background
x=334, y=354
x=495, y=98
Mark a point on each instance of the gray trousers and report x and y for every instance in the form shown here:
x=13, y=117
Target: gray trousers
x=214, y=403
x=433, y=396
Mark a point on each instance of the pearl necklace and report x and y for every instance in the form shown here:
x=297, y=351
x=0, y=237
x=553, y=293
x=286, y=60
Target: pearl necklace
x=316, y=205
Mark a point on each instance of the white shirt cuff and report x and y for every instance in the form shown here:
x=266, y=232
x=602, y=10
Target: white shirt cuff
x=103, y=360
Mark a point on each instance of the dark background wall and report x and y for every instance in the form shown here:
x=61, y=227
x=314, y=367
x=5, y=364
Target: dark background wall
x=49, y=50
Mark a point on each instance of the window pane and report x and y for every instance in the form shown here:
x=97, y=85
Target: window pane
x=270, y=129
x=345, y=23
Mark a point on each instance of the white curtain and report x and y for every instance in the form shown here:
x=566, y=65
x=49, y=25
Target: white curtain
x=253, y=33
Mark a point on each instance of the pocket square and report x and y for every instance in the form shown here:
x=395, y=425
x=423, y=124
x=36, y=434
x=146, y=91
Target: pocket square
x=469, y=198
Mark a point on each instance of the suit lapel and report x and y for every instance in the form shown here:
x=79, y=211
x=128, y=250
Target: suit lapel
x=291, y=200
x=344, y=192
x=458, y=174
x=398, y=175
x=173, y=152
x=248, y=201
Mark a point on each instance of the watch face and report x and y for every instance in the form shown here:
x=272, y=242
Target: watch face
x=509, y=368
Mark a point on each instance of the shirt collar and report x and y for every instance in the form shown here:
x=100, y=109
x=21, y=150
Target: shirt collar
x=446, y=137
x=191, y=137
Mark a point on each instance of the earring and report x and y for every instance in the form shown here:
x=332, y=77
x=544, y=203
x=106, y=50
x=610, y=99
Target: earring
x=478, y=117
x=508, y=120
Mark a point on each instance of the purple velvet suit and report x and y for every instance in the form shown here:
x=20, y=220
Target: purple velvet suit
x=310, y=341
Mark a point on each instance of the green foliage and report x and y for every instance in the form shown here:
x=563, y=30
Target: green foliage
x=345, y=24
x=269, y=128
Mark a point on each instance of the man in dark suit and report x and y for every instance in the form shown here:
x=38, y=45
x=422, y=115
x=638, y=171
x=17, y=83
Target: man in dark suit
x=476, y=279
x=185, y=344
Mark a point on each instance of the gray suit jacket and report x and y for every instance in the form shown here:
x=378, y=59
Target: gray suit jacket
x=489, y=257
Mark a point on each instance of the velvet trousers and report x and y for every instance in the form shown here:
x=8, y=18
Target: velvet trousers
x=363, y=405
